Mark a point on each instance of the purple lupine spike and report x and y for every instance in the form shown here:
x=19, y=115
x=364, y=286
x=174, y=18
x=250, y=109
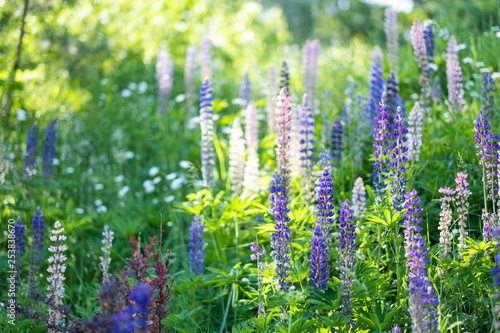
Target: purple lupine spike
x=251, y=172
x=20, y=241
x=337, y=142
x=319, y=268
x=245, y=91
x=488, y=220
x=49, y=151
x=392, y=95
x=423, y=300
x=391, y=32
x=421, y=56
x=206, y=54
x=488, y=93
x=347, y=255
x=196, y=243
x=461, y=200
x=30, y=154
x=415, y=132
x=189, y=76
x=445, y=221
x=436, y=90
x=134, y=317
x=38, y=231
x=398, y=160
x=272, y=92
x=285, y=77
x=306, y=139
x=396, y=329
x=207, y=134
x=310, y=69
x=454, y=75
x=429, y=41
x=381, y=136
x=258, y=256
x=376, y=81
x=164, y=78
x=279, y=191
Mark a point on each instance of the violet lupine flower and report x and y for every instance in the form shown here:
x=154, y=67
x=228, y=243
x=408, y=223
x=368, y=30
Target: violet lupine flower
x=272, y=92
x=279, y=191
x=461, y=200
x=20, y=241
x=445, y=221
x=346, y=253
x=189, y=74
x=429, y=41
x=134, y=317
x=454, y=75
x=381, y=136
x=207, y=133
x=436, y=90
x=196, y=243
x=319, y=268
x=245, y=91
x=49, y=151
x=391, y=32
x=310, y=57
x=38, y=231
x=206, y=54
x=359, y=198
x=423, y=301
x=421, y=56
x=164, y=78
x=107, y=242
x=396, y=329
x=306, y=138
x=56, y=274
x=415, y=132
x=337, y=142
x=30, y=154
x=392, y=94
x=488, y=221
x=398, y=160
x=376, y=81
x=285, y=77
x=236, y=157
x=324, y=195
x=257, y=255
x=488, y=93
x=251, y=173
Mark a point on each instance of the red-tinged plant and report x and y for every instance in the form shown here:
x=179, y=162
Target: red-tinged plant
x=162, y=291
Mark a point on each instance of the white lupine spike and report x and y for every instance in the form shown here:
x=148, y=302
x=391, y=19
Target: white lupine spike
x=415, y=132
x=359, y=198
x=251, y=174
x=236, y=157
x=272, y=92
x=106, y=259
x=206, y=53
x=189, y=71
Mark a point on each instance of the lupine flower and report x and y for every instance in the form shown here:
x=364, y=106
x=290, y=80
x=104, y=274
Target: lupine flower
x=461, y=200
x=396, y=329
x=49, y=151
x=306, y=140
x=488, y=220
x=319, y=268
x=436, y=90
x=236, y=156
x=134, y=317
x=245, y=91
x=381, y=136
x=454, y=75
x=285, y=77
x=359, y=198
x=206, y=54
x=337, y=142
x=429, y=41
x=415, y=132
x=38, y=231
x=295, y=140
x=251, y=175
x=56, y=273
x=391, y=33
x=324, y=195
x=30, y=154
x=257, y=255
x=189, y=73
x=107, y=242
x=310, y=57
x=391, y=95
x=488, y=93
x=376, y=81
x=445, y=221
x=196, y=251
x=272, y=92
x=423, y=301
x=346, y=253
x=421, y=56
x=398, y=160
x=19, y=233
x=207, y=134
x=279, y=191
x=165, y=78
